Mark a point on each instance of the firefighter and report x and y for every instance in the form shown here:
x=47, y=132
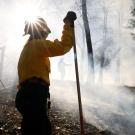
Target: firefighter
x=34, y=70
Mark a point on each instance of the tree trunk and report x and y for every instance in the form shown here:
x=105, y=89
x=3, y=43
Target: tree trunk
x=88, y=35
x=2, y=50
x=104, y=45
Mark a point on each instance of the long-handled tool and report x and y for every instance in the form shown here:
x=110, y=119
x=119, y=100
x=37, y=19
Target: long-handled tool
x=78, y=88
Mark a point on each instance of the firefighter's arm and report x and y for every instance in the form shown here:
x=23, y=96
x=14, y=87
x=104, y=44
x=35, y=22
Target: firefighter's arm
x=57, y=48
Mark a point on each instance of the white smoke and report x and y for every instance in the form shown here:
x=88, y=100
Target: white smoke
x=105, y=106
x=108, y=104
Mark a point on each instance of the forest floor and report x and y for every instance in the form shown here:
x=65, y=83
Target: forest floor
x=64, y=122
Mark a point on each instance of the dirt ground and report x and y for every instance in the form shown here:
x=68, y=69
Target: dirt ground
x=64, y=122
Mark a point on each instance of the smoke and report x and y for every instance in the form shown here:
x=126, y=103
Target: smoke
x=108, y=104
x=110, y=107
x=12, y=29
x=105, y=106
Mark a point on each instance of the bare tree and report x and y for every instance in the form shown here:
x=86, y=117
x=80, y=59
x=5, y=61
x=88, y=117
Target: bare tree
x=88, y=35
x=2, y=51
x=132, y=21
x=105, y=11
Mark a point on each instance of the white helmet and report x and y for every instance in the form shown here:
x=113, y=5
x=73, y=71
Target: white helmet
x=38, y=26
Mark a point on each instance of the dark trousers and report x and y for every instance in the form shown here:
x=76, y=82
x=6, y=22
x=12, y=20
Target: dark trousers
x=31, y=102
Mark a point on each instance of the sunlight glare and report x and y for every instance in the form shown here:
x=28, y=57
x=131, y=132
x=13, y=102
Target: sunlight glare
x=27, y=12
x=31, y=17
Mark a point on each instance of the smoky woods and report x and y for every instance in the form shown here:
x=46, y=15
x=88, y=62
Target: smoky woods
x=64, y=122
x=91, y=88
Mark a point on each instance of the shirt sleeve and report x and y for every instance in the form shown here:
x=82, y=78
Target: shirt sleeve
x=56, y=48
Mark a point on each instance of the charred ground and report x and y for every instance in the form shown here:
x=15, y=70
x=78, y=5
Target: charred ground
x=64, y=122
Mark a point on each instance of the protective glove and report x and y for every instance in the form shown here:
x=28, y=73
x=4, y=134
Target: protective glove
x=70, y=18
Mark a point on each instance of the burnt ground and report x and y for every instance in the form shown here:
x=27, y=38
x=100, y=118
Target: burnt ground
x=64, y=122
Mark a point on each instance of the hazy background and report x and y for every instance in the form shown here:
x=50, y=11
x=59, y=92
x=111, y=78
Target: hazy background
x=110, y=36
x=106, y=102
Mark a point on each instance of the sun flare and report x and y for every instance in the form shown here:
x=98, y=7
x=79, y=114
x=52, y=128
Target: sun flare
x=26, y=11
x=31, y=18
